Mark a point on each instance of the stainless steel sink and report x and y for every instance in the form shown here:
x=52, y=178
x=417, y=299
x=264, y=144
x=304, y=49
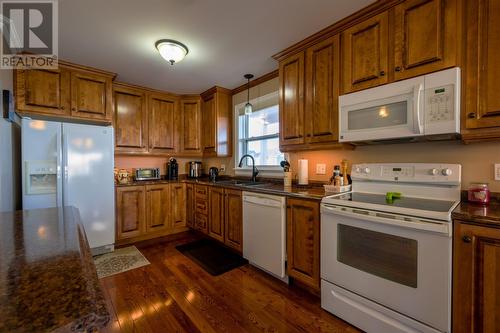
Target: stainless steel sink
x=235, y=182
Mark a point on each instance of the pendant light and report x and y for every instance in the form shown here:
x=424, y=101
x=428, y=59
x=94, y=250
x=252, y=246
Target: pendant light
x=248, y=106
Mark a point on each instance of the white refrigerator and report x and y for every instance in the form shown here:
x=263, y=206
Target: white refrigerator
x=66, y=164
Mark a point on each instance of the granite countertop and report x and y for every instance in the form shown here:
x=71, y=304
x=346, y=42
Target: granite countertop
x=488, y=215
x=313, y=191
x=48, y=281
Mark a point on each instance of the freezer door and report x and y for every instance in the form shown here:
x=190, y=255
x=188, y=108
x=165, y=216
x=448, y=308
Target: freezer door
x=88, y=159
x=41, y=163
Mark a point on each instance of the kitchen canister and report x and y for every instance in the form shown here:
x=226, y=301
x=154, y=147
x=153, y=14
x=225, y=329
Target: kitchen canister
x=303, y=172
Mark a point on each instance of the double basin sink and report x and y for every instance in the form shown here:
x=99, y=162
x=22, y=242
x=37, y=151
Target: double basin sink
x=243, y=183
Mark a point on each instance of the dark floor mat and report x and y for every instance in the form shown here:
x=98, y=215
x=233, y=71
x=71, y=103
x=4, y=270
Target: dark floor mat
x=212, y=256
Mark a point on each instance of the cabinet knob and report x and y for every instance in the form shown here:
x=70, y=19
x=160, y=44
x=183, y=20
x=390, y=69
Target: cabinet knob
x=471, y=115
x=467, y=239
x=397, y=69
x=73, y=109
x=62, y=107
x=382, y=73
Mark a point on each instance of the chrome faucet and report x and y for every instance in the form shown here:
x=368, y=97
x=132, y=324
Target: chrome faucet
x=255, y=172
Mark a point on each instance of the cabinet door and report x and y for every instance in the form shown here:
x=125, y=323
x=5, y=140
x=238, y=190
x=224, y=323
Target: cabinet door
x=322, y=90
x=158, y=208
x=130, y=211
x=476, y=278
x=190, y=205
x=483, y=64
x=91, y=96
x=216, y=214
x=233, y=219
x=178, y=205
x=425, y=37
x=303, y=237
x=43, y=91
x=209, y=115
x=291, y=75
x=162, y=123
x=190, y=138
x=130, y=120
x=365, y=54
x=201, y=223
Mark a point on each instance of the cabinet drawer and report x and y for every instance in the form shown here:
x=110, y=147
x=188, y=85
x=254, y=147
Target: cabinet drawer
x=201, y=206
x=201, y=222
x=201, y=192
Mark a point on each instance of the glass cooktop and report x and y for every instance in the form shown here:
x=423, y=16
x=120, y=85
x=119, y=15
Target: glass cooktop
x=403, y=202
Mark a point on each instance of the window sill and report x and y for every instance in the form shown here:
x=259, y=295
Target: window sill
x=270, y=172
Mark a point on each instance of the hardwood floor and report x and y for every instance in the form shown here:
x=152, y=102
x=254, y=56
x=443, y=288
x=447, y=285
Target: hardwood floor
x=174, y=294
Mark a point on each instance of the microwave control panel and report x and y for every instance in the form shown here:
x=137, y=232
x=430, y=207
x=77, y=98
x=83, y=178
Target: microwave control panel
x=439, y=104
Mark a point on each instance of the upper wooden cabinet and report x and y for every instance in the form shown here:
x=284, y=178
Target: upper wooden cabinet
x=303, y=237
x=425, y=37
x=322, y=91
x=292, y=100
x=130, y=119
x=163, y=125
x=365, y=60
x=217, y=122
x=190, y=124
x=70, y=92
x=476, y=278
x=482, y=76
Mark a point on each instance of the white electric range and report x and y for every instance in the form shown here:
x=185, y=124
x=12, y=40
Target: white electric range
x=386, y=262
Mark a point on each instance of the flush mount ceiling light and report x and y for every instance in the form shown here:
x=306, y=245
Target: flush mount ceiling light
x=171, y=50
x=248, y=106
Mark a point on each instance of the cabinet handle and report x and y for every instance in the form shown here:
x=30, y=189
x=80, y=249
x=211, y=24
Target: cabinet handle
x=382, y=73
x=62, y=107
x=471, y=115
x=397, y=69
x=467, y=239
x=73, y=109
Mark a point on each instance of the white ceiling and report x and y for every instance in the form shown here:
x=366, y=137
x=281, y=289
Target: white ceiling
x=226, y=38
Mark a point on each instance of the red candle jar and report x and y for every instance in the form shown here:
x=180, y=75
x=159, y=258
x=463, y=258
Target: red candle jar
x=479, y=193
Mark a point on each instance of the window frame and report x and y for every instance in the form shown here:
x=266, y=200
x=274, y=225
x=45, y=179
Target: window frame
x=246, y=169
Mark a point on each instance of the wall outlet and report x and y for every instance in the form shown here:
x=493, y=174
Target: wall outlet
x=222, y=168
x=497, y=171
x=321, y=169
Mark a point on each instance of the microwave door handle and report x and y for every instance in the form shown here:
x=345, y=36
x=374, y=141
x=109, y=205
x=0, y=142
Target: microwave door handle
x=417, y=108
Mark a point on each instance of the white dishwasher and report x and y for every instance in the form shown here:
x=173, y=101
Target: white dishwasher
x=264, y=232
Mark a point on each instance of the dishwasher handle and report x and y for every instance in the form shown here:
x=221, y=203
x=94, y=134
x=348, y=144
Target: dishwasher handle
x=263, y=201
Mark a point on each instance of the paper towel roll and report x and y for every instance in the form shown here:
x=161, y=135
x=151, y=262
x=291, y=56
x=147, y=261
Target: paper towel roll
x=303, y=172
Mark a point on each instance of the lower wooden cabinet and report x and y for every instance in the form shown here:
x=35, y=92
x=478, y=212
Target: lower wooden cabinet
x=130, y=211
x=233, y=219
x=190, y=205
x=476, y=278
x=303, y=241
x=145, y=212
x=201, y=208
x=216, y=215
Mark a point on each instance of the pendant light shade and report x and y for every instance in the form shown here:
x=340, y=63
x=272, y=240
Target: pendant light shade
x=171, y=50
x=248, y=106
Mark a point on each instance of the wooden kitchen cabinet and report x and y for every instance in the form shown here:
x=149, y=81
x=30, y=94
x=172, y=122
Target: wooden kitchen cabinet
x=233, y=219
x=291, y=77
x=216, y=214
x=201, y=208
x=365, y=47
x=476, y=278
x=130, y=119
x=303, y=241
x=70, y=92
x=482, y=99
x=130, y=211
x=178, y=203
x=163, y=124
x=217, y=122
x=190, y=124
x=322, y=91
x=425, y=37
x=190, y=205
x=158, y=208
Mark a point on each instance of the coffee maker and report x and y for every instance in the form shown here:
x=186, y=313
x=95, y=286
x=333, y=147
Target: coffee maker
x=172, y=169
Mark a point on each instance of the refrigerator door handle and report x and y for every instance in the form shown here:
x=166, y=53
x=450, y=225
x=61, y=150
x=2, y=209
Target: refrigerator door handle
x=59, y=181
x=64, y=153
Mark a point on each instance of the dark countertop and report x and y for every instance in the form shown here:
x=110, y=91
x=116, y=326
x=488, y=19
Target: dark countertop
x=48, y=280
x=313, y=191
x=472, y=212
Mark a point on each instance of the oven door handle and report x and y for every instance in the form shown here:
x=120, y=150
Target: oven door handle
x=389, y=219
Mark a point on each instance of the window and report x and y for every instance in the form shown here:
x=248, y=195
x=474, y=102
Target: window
x=258, y=134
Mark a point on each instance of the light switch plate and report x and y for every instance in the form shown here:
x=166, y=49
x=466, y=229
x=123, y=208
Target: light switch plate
x=497, y=171
x=222, y=168
x=321, y=169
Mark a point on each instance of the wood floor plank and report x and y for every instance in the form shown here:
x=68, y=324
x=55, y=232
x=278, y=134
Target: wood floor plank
x=174, y=294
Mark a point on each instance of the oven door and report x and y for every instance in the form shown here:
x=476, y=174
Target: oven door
x=390, y=262
x=388, y=112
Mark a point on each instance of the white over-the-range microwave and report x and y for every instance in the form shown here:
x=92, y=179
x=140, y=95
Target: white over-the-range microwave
x=421, y=107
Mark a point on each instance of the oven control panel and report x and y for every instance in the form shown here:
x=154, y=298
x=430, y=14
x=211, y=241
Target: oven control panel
x=408, y=172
